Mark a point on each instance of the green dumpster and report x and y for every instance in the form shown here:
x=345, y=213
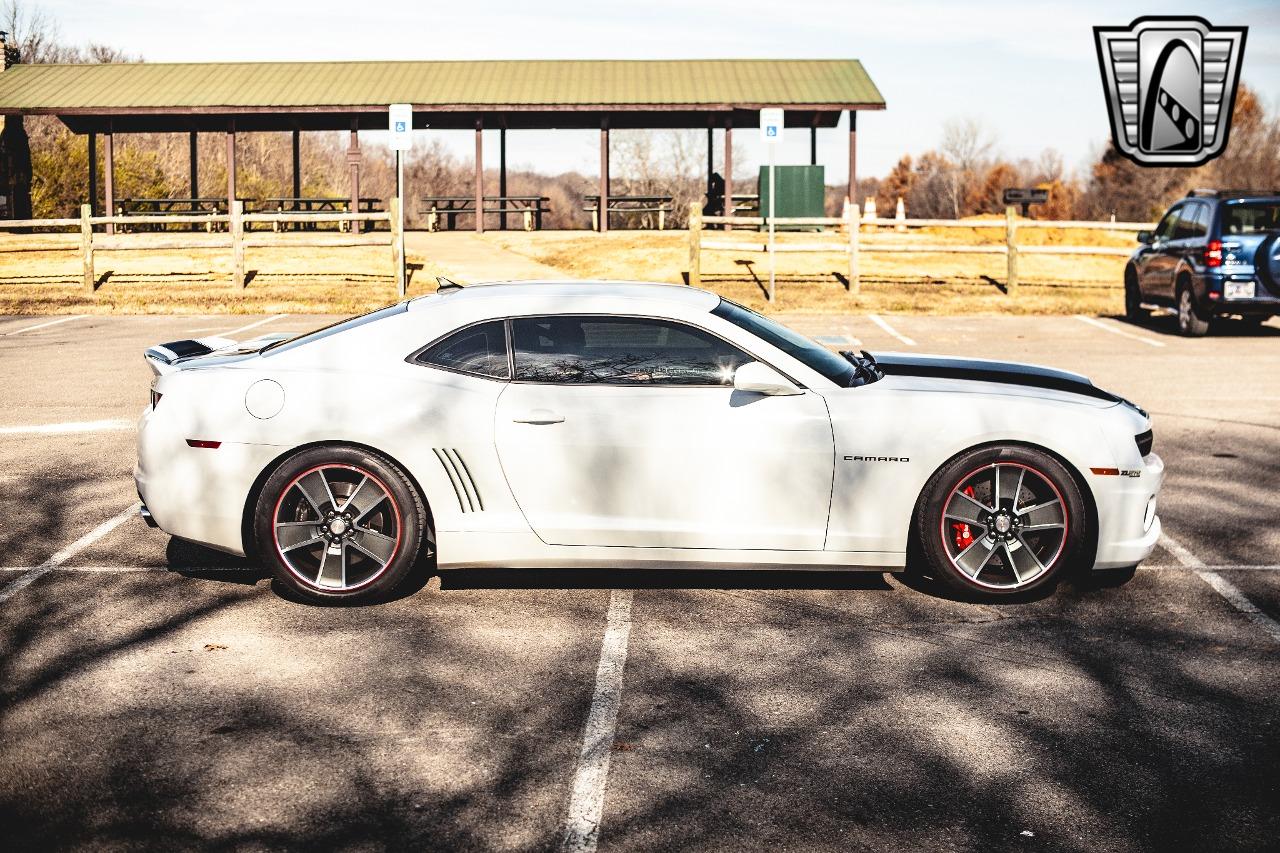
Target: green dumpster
x=802, y=191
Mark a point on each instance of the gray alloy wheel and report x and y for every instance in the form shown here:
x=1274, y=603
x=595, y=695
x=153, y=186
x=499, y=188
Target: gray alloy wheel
x=1190, y=323
x=339, y=523
x=1001, y=520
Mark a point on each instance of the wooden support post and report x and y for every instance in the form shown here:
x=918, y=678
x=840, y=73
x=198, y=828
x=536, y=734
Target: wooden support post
x=236, y=228
x=813, y=146
x=193, y=158
x=231, y=168
x=854, y=224
x=853, y=156
x=86, y=246
x=93, y=173
x=695, y=244
x=479, y=176
x=711, y=158
x=1011, y=247
x=297, y=163
x=397, y=262
x=604, y=176
x=728, y=171
x=353, y=157
x=109, y=178
x=502, y=177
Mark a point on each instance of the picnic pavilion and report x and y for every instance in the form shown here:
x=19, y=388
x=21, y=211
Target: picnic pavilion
x=105, y=101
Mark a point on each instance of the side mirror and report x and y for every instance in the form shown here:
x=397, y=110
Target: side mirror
x=756, y=378
x=1145, y=237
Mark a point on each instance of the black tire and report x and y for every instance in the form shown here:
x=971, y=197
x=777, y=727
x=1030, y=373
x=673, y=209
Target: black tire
x=946, y=544
x=1191, y=323
x=365, y=511
x=1132, y=297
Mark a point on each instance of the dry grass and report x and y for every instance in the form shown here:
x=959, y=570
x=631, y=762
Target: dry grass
x=349, y=280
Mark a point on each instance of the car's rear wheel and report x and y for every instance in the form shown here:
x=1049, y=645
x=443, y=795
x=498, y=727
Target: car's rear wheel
x=1190, y=322
x=339, y=523
x=1132, y=296
x=1001, y=521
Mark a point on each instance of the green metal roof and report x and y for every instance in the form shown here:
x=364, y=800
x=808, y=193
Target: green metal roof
x=528, y=84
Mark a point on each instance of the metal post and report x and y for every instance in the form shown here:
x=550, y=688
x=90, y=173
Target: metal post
x=109, y=178
x=728, y=171
x=297, y=164
x=604, y=176
x=353, y=157
x=93, y=173
x=813, y=146
x=1011, y=248
x=479, y=176
x=853, y=157
x=398, y=238
x=711, y=159
x=773, y=194
x=502, y=177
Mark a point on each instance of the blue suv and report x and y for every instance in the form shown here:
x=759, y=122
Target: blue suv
x=1216, y=253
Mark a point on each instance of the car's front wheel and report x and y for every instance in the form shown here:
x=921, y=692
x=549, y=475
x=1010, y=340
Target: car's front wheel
x=339, y=523
x=1001, y=521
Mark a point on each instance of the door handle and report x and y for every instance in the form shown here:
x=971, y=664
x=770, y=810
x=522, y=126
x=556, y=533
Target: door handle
x=539, y=416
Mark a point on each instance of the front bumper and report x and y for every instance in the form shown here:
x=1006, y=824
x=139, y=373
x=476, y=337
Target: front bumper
x=1124, y=536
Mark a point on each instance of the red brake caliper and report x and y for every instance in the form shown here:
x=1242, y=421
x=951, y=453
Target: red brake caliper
x=964, y=537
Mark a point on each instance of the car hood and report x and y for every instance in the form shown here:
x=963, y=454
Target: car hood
x=1001, y=372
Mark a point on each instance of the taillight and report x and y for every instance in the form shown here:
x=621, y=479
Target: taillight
x=155, y=397
x=1213, y=253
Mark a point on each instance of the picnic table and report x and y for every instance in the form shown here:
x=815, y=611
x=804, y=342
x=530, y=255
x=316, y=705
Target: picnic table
x=169, y=207
x=659, y=204
x=311, y=204
x=450, y=207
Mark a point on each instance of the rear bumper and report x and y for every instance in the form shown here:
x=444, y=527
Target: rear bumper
x=1263, y=303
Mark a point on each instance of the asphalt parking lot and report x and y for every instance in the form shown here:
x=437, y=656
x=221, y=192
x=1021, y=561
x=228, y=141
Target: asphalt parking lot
x=155, y=695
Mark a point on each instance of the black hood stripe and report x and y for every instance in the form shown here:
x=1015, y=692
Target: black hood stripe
x=1003, y=372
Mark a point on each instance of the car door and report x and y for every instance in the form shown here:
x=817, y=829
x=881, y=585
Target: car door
x=1156, y=262
x=627, y=431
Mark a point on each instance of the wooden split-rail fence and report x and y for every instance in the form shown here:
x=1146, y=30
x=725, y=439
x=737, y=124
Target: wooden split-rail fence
x=843, y=235
x=235, y=238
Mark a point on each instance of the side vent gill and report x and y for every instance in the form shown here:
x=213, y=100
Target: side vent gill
x=464, y=487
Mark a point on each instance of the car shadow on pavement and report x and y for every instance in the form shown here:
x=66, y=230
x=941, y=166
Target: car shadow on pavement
x=1165, y=323
x=458, y=579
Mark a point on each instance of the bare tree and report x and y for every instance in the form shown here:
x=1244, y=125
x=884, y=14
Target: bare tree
x=968, y=145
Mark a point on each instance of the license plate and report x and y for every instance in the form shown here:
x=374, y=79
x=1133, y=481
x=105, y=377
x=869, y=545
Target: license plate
x=1239, y=290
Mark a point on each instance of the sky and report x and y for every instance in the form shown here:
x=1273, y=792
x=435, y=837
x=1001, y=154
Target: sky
x=1026, y=70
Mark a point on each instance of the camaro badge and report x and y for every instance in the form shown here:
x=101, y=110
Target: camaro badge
x=1170, y=84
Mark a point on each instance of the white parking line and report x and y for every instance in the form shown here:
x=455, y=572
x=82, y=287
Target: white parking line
x=1225, y=567
x=117, y=570
x=44, y=325
x=255, y=325
x=74, y=426
x=875, y=318
x=586, y=802
x=66, y=553
x=1151, y=342
x=1221, y=585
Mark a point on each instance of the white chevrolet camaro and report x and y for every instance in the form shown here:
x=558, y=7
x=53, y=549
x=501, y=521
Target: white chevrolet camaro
x=541, y=424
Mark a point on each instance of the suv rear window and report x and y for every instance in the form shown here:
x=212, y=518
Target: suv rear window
x=1250, y=218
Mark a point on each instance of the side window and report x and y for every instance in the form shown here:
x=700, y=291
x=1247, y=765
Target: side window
x=620, y=351
x=1167, y=226
x=481, y=350
x=1189, y=222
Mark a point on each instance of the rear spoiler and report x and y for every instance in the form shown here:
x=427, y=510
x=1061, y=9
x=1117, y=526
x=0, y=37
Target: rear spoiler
x=168, y=357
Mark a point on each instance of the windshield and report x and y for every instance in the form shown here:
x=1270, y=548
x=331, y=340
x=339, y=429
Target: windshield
x=811, y=354
x=1254, y=218
x=334, y=328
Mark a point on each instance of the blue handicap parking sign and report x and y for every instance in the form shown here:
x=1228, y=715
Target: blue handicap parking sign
x=771, y=131
x=399, y=127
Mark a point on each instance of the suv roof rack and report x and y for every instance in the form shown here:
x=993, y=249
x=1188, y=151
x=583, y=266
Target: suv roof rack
x=1211, y=193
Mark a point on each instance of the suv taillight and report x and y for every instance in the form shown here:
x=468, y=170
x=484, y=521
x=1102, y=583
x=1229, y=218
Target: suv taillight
x=1213, y=253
